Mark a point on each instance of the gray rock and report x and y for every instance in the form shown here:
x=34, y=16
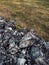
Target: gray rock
x=15, y=33
x=2, y=19
x=1, y=37
x=12, y=40
x=21, y=47
x=36, y=52
x=0, y=63
x=10, y=24
x=21, y=61
x=7, y=35
x=47, y=46
x=13, y=51
x=2, y=25
x=28, y=40
x=1, y=31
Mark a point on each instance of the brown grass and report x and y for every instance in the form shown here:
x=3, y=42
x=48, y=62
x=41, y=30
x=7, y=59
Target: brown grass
x=28, y=14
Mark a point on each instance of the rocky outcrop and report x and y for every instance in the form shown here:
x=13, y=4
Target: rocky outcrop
x=21, y=47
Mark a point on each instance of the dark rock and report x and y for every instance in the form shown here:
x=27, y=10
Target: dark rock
x=11, y=25
x=1, y=31
x=2, y=25
x=1, y=18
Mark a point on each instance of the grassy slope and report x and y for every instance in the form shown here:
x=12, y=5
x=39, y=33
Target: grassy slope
x=28, y=13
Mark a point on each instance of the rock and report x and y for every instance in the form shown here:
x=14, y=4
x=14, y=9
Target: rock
x=12, y=41
x=15, y=32
x=28, y=40
x=40, y=61
x=36, y=52
x=0, y=63
x=13, y=49
x=9, y=28
x=2, y=19
x=11, y=25
x=24, y=51
x=24, y=30
x=21, y=34
x=2, y=25
x=21, y=61
x=21, y=47
x=47, y=46
x=1, y=37
x=7, y=36
x=1, y=31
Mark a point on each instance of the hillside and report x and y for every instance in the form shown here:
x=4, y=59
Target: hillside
x=29, y=14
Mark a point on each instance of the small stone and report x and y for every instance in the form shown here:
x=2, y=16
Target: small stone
x=15, y=32
x=47, y=46
x=12, y=41
x=24, y=51
x=7, y=35
x=9, y=28
x=2, y=19
x=1, y=31
x=2, y=25
x=21, y=61
x=13, y=48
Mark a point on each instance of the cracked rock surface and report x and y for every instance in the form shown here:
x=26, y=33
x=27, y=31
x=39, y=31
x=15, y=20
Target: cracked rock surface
x=21, y=47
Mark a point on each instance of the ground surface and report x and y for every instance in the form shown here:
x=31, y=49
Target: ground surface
x=28, y=13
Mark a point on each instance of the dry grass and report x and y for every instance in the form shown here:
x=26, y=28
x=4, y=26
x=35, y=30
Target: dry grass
x=28, y=13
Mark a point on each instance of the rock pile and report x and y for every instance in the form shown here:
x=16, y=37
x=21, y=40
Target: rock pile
x=21, y=47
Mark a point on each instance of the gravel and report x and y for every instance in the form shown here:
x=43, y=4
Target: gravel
x=21, y=47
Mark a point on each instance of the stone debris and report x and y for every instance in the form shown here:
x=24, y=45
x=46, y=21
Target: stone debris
x=21, y=47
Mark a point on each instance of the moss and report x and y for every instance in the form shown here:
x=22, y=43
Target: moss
x=18, y=26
